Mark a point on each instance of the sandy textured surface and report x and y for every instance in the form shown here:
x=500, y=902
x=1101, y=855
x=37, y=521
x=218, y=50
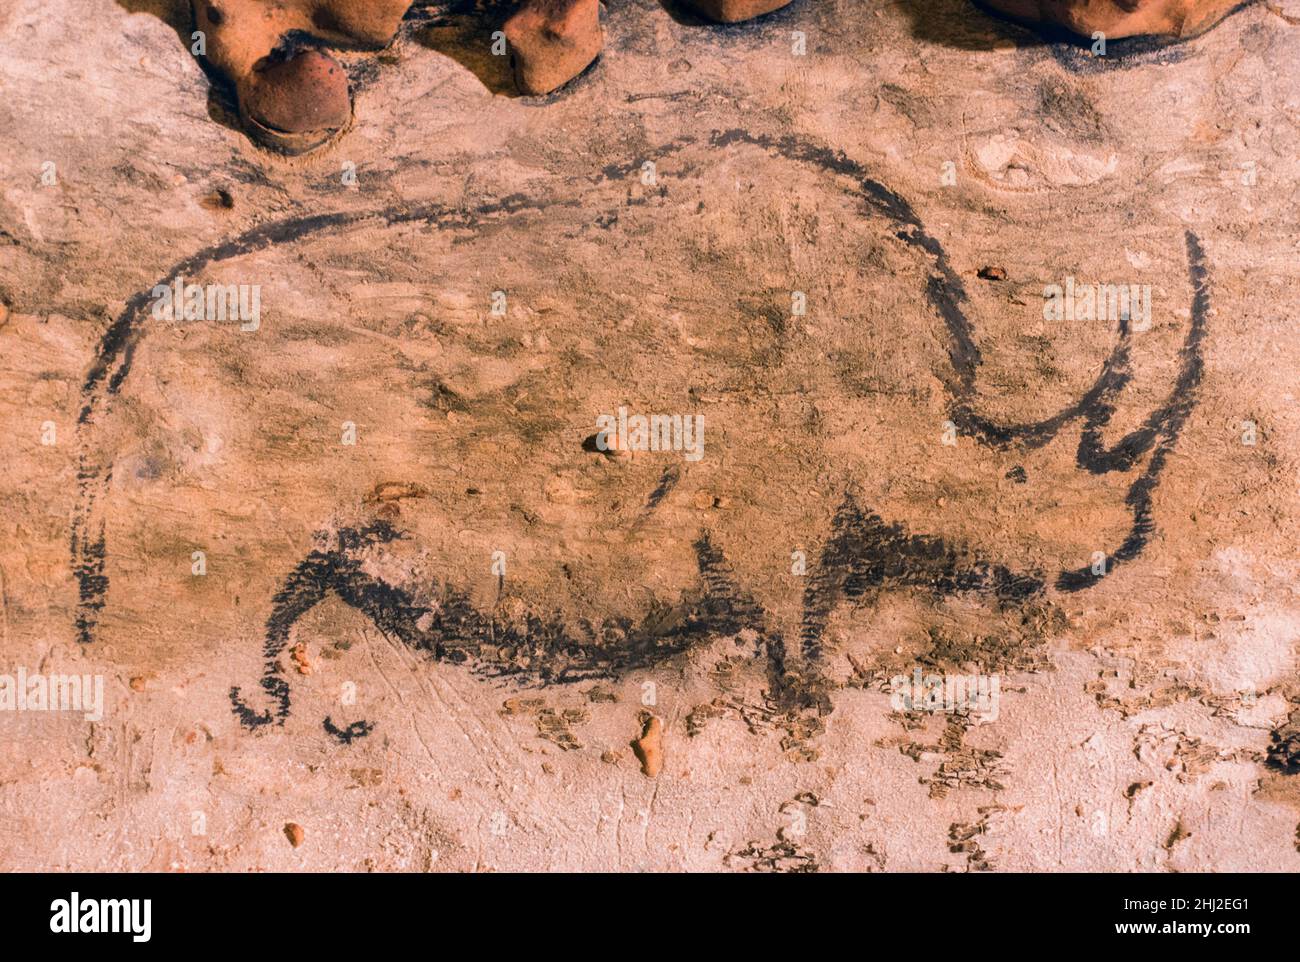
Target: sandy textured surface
x=356, y=661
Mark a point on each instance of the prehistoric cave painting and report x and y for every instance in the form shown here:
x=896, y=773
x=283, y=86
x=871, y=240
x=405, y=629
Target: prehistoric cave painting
x=862, y=554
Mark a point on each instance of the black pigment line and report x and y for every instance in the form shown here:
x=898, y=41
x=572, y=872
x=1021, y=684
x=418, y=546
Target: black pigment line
x=306, y=587
x=538, y=650
x=862, y=554
x=735, y=609
x=1095, y=407
x=1161, y=429
x=346, y=736
x=947, y=295
x=116, y=352
x=672, y=474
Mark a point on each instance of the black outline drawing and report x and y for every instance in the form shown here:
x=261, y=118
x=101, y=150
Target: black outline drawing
x=863, y=552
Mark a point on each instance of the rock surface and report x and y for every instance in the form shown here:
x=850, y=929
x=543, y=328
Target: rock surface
x=453, y=293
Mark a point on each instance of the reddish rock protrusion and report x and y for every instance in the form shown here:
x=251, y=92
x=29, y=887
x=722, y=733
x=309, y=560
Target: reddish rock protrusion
x=292, y=96
x=649, y=747
x=1121, y=18
x=552, y=41
x=305, y=94
x=733, y=11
